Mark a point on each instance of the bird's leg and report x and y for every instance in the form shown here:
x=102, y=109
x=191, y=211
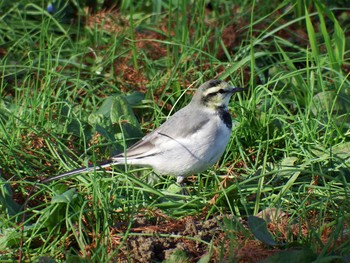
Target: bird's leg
x=180, y=180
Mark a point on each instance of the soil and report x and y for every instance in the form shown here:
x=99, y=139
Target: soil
x=188, y=240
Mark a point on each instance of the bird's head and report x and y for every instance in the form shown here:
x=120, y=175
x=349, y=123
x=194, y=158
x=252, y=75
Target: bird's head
x=214, y=94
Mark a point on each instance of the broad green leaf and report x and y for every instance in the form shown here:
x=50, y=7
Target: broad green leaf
x=292, y=256
x=6, y=200
x=66, y=197
x=123, y=116
x=135, y=98
x=106, y=106
x=115, y=119
x=259, y=229
x=121, y=111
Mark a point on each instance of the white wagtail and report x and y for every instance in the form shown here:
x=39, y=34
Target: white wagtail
x=189, y=142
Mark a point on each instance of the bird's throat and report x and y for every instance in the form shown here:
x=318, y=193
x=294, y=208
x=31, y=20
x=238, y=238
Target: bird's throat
x=225, y=117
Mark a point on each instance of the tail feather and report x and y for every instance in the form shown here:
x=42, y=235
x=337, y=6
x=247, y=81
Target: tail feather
x=79, y=171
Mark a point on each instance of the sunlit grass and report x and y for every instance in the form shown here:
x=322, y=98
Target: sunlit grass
x=62, y=83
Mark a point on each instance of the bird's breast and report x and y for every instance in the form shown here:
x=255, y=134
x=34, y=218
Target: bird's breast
x=198, y=151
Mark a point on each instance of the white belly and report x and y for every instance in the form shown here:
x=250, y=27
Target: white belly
x=193, y=154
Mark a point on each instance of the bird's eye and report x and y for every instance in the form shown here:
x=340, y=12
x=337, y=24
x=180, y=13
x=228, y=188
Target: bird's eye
x=221, y=91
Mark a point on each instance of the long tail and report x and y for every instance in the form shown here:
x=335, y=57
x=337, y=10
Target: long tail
x=79, y=171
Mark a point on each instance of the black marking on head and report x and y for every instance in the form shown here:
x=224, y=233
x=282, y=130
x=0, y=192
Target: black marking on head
x=214, y=83
x=225, y=117
x=221, y=91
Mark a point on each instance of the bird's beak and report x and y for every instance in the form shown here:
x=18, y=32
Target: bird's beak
x=236, y=89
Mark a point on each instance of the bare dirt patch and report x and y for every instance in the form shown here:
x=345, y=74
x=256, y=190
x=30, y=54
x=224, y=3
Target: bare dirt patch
x=193, y=237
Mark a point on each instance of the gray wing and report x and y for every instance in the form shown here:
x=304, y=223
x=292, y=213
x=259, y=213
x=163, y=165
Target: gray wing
x=180, y=125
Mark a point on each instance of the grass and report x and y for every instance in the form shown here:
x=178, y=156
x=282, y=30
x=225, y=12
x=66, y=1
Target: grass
x=76, y=90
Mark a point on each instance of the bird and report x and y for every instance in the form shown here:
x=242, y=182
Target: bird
x=188, y=142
